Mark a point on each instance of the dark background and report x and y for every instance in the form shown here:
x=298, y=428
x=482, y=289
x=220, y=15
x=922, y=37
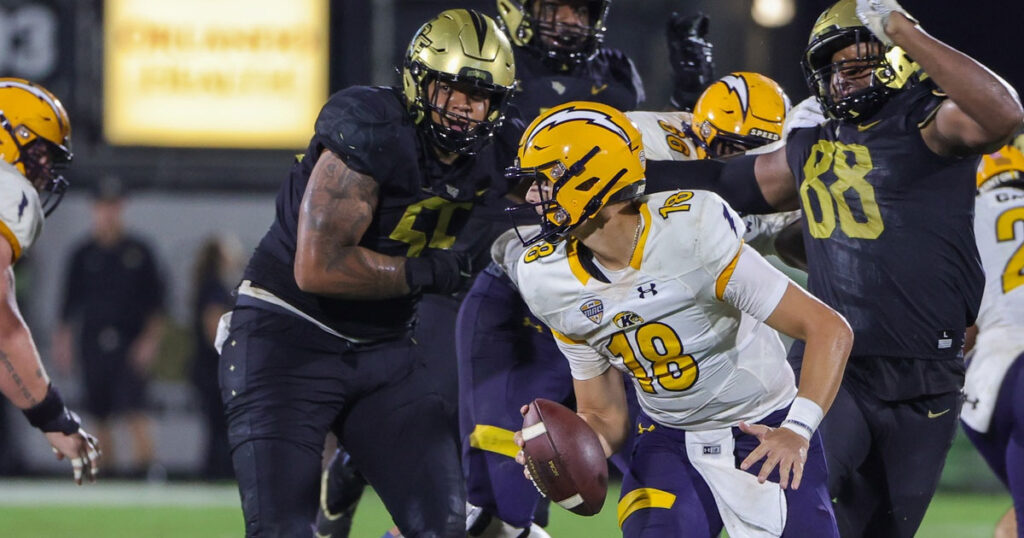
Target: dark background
x=368, y=38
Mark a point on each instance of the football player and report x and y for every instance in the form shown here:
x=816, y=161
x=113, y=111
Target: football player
x=35, y=143
x=504, y=364
x=891, y=172
x=319, y=339
x=995, y=371
x=559, y=55
x=662, y=287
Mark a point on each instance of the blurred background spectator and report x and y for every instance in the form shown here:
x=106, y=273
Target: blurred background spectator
x=217, y=268
x=112, y=321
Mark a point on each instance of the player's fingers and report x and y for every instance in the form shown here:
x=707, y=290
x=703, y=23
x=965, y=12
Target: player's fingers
x=769, y=465
x=524, y=409
x=798, y=473
x=757, y=430
x=76, y=466
x=753, y=457
x=784, y=465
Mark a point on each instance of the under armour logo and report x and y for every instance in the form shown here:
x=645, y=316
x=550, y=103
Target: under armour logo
x=973, y=403
x=644, y=292
x=640, y=429
x=22, y=206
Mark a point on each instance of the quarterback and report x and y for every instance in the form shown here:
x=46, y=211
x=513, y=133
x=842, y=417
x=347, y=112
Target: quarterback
x=662, y=287
x=891, y=171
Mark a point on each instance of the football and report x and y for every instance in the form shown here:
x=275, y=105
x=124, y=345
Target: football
x=564, y=457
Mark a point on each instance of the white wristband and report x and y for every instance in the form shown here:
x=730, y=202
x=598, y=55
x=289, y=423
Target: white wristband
x=804, y=417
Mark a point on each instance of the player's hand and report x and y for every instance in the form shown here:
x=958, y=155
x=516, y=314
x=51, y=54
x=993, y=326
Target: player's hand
x=439, y=271
x=875, y=15
x=81, y=449
x=806, y=113
x=690, y=54
x=520, y=456
x=779, y=446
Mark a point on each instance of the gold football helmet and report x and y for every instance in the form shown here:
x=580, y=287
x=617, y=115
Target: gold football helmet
x=891, y=70
x=738, y=112
x=459, y=46
x=567, y=44
x=35, y=136
x=582, y=156
x=1003, y=166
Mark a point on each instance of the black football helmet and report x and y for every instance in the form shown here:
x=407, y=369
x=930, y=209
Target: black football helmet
x=569, y=44
x=890, y=69
x=459, y=46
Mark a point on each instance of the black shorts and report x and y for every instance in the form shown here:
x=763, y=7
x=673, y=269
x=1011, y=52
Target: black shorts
x=286, y=383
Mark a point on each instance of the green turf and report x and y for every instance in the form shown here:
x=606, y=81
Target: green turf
x=950, y=516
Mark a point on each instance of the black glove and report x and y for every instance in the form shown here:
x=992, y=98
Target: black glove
x=51, y=415
x=689, y=53
x=438, y=271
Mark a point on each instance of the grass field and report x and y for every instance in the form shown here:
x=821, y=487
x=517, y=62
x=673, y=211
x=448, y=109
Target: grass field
x=33, y=509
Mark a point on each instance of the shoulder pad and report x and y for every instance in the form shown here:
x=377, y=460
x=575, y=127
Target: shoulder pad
x=362, y=125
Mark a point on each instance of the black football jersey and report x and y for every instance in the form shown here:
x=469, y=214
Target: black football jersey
x=889, y=229
x=422, y=203
x=610, y=78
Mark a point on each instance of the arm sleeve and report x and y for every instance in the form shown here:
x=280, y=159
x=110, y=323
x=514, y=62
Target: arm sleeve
x=754, y=286
x=584, y=362
x=733, y=180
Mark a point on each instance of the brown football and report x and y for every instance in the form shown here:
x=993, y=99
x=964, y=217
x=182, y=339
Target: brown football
x=564, y=457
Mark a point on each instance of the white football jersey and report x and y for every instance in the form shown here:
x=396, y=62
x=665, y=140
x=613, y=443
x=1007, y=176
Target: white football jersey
x=672, y=318
x=999, y=229
x=665, y=135
x=21, y=213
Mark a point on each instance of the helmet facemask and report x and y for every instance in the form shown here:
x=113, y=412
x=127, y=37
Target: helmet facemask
x=448, y=130
x=851, y=89
x=41, y=162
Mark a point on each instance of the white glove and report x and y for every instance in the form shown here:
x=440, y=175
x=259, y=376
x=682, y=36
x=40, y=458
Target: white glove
x=875, y=15
x=806, y=113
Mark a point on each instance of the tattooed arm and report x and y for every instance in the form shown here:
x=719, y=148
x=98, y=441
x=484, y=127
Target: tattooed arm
x=22, y=378
x=337, y=208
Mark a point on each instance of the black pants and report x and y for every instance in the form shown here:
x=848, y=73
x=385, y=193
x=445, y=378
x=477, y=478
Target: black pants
x=885, y=458
x=286, y=383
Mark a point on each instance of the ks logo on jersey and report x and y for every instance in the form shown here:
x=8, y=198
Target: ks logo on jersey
x=593, y=309
x=627, y=319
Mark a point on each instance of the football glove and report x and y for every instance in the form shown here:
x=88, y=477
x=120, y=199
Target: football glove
x=438, y=271
x=693, y=66
x=875, y=15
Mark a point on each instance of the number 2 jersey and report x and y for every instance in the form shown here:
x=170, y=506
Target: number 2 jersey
x=889, y=233
x=422, y=203
x=674, y=318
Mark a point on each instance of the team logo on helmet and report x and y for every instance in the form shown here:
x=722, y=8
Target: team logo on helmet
x=591, y=116
x=593, y=309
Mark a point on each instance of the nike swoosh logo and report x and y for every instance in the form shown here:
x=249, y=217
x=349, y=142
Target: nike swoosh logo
x=865, y=127
x=594, y=90
x=937, y=415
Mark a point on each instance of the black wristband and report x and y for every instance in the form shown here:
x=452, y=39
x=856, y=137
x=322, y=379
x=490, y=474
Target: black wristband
x=51, y=415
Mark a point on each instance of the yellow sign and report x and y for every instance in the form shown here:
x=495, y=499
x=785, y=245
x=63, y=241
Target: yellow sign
x=226, y=74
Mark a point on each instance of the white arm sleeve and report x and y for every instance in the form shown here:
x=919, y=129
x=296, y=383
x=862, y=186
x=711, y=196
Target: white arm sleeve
x=755, y=286
x=584, y=362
